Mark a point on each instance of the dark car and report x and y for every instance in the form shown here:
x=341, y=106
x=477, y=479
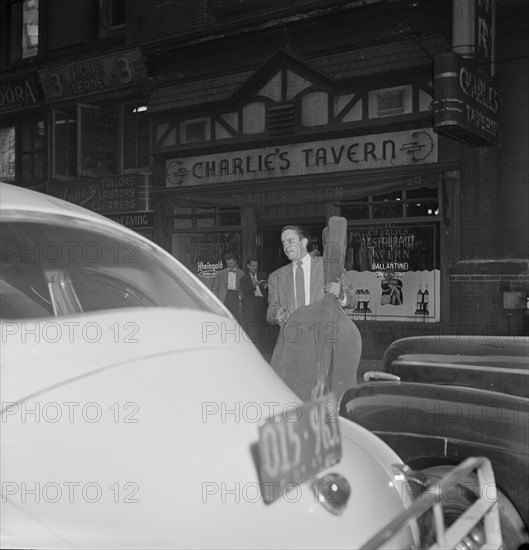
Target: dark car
x=440, y=399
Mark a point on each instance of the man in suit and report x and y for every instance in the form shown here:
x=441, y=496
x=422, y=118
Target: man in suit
x=303, y=276
x=227, y=285
x=254, y=287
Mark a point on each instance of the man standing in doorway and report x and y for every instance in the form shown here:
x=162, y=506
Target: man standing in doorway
x=254, y=289
x=301, y=282
x=227, y=285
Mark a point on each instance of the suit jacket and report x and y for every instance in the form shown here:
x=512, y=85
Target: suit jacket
x=220, y=284
x=281, y=289
x=247, y=285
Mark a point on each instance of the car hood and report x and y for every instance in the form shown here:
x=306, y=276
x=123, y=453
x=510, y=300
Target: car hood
x=76, y=346
x=153, y=444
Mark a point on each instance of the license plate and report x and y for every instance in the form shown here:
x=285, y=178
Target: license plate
x=297, y=444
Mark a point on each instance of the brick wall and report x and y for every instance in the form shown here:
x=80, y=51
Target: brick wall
x=476, y=297
x=154, y=20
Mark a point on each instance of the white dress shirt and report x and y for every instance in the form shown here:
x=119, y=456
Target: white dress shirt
x=232, y=280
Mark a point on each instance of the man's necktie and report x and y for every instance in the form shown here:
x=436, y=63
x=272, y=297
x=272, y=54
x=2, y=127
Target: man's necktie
x=300, y=285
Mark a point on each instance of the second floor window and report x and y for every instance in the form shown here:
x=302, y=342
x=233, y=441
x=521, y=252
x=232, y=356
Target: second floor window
x=22, y=29
x=112, y=16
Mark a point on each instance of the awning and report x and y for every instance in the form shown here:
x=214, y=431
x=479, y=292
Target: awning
x=347, y=186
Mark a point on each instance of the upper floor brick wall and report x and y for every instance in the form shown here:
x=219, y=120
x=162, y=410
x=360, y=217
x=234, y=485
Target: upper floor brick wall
x=157, y=20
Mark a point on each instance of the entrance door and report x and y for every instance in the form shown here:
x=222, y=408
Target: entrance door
x=272, y=255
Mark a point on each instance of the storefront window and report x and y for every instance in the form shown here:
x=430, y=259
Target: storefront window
x=32, y=151
x=395, y=271
x=203, y=252
x=422, y=202
x=397, y=204
x=64, y=146
x=388, y=205
x=23, y=153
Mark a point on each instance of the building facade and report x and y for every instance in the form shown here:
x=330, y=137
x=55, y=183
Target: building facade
x=209, y=125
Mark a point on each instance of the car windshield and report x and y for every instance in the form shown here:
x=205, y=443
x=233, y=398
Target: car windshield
x=62, y=265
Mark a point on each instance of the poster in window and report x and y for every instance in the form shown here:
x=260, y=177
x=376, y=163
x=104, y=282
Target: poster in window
x=395, y=271
x=97, y=153
x=203, y=253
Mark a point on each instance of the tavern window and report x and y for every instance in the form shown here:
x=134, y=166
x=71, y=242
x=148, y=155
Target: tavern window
x=192, y=217
x=195, y=130
x=390, y=101
x=423, y=202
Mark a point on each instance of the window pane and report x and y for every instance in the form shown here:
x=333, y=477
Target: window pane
x=66, y=23
x=183, y=223
x=136, y=144
x=27, y=139
x=65, y=144
x=98, y=282
x=357, y=212
x=423, y=192
x=389, y=210
x=129, y=153
x=32, y=152
x=30, y=37
x=195, y=131
x=206, y=222
x=182, y=210
x=142, y=122
x=143, y=151
x=394, y=195
x=117, y=13
x=230, y=218
x=129, y=124
x=423, y=208
x=7, y=154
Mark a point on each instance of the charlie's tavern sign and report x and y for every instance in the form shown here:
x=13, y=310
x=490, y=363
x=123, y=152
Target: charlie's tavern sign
x=338, y=155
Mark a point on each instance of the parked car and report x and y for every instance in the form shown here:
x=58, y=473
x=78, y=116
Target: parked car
x=125, y=424
x=439, y=399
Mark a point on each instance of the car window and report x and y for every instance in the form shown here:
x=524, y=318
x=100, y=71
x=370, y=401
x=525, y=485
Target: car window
x=96, y=291
x=62, y=265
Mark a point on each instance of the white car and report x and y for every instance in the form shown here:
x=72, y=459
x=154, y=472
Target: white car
x=129, y=425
